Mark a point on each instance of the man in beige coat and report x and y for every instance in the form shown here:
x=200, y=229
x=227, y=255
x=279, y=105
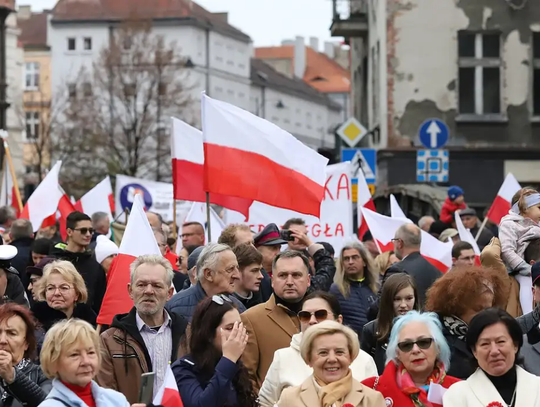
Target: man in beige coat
x=271, y=325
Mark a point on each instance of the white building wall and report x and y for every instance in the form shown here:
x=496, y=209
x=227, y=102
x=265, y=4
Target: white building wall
x=14, y=76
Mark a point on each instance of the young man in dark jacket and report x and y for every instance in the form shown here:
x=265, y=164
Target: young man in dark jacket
x=146, y=339
x=247, y=288
x=79, y=234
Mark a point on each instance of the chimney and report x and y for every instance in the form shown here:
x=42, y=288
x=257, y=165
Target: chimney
x=329, y=50
x=287, y=42
x=314, y=43
x=299, y=57
x=223, y=16
x=24, y=12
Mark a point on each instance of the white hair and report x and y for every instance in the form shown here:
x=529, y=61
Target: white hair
x=155, y=260
x=209, y=258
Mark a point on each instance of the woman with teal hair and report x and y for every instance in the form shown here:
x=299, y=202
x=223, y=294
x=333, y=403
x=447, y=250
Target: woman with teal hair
x=417, y=359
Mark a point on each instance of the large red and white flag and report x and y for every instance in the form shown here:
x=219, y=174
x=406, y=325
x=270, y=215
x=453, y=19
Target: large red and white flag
x=43, y=203
x=187, y=153
x=363, y=200
x=98, y=199
x=198, y=214
x=65, y=207
x=465, y=234
x=168, y=395
x=251, y=158
x=503, y=201
x=383, y=228
x=138, y=240
x=395, y=209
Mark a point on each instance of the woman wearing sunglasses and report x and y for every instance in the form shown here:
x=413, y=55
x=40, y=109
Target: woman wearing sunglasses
x=289, y=369
x=399, y=296
x=417, y=359
x=212, y=374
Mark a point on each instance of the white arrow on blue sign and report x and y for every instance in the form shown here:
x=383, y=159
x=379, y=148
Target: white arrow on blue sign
x=434, y=133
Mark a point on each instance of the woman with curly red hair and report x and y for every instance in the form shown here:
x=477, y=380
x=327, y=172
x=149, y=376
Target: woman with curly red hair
x=456, y=298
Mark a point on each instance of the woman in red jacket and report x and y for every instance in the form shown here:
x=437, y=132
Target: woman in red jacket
x=417, y=359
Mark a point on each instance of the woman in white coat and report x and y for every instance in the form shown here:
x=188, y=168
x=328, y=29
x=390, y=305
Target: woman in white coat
x=495, y=339
x=289, y=369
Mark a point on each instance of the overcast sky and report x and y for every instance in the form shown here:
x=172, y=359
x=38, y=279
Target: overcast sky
x=268, y=22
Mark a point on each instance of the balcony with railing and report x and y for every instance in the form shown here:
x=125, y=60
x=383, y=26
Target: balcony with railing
x=350, y=18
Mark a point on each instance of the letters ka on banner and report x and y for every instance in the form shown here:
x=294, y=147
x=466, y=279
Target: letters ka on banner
x=335, y=225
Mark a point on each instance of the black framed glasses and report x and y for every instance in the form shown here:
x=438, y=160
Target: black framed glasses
x=320, y=315
x=84, y=231
x=423, y=343
x=221, y=299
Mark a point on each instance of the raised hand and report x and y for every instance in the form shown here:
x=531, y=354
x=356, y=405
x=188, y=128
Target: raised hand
x=233, y=346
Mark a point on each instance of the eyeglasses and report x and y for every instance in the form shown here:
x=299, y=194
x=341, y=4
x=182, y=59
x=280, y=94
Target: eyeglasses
x=64, y=289
x=84, y=231
x=423, y=343
x=320, y=315
x=396, y=239
x=221, y=299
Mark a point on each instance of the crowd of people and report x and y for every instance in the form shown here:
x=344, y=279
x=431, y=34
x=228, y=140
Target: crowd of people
x=273, y=318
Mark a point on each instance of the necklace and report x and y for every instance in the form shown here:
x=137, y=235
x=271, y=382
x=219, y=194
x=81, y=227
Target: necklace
x=513, y=399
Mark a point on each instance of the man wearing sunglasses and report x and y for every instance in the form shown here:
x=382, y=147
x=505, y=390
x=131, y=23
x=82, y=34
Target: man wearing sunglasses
x=75, y=250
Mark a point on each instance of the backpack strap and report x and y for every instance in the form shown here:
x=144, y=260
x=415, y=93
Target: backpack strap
x=60, y=400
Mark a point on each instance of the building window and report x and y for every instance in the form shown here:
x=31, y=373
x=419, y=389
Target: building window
x=71, y=44
x=87, y=44
x=87, y=89
x=32, y=125
x=479, y=73
x=31, y=75
x=72, y=91
x=536, y=73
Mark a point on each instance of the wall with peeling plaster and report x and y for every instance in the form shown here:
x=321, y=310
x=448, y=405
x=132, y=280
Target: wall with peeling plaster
x=422, y=68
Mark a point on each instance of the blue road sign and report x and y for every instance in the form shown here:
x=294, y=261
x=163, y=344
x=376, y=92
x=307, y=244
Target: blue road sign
x=432, y=166
x=369, y=162
x=434, y=133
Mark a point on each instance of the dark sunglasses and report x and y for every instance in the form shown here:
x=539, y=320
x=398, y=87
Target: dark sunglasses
x=84, y=231
x=221, y=299
x=423, y=343
x=320, y=315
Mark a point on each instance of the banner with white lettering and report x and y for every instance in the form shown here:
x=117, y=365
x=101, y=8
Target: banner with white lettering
x=336, y=223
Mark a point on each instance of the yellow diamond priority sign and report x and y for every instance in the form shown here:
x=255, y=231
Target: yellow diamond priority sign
x=352, y=131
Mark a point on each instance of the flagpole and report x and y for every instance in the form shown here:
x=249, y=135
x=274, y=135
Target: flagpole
x=13, y=176
x=482, y=226
x=175, y=228
x=208, y=217
x=2, y=184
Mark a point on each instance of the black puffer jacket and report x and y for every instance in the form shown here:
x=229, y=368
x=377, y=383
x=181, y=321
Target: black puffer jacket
x=370, y=344
x=325, y=269
x=48, y=316
x=29, y=388
x=14, y=290
x=90, y=270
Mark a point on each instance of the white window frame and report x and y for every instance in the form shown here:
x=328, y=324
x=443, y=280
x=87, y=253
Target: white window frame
x=89, y=39
x=32, y=71
x=479, y=62
x=32, y=119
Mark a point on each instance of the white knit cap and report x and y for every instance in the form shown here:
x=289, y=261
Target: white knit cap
x=105, y=248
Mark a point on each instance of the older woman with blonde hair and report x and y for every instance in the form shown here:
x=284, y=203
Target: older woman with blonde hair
x=329, y=349
x=62, y=294
x=71, y=356
x=356, y=283
x=384, y=260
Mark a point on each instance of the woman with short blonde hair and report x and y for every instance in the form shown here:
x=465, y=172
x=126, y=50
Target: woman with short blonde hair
x=62, y=294
x=329, y=348
x=71, y=355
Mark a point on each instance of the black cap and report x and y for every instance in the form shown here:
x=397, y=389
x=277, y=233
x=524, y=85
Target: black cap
x=269, y=236
x=467, y=212
x=193, y=257
x=37, y=270
x=535, y=272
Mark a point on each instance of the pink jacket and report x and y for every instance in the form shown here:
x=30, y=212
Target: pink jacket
x=515, y=233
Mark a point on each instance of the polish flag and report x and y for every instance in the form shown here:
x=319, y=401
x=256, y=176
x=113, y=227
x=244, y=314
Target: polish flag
x=465, y=235
x=138, y=240
x=364, y=200
x=198, y=214
x=98, y=199
x=383, y=228
x=187, y=153
x=41, y=207
x=249, y=157
x=65, y=207
x=8, y=195
x=395, y=209
x=168, y=395
x=503, y=201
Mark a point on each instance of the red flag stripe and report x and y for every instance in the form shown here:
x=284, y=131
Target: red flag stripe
x=498, y=210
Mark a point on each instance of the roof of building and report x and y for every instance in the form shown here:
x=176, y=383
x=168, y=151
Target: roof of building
x=264, y=75
x=34, y=30
x=118, y=10
x=322, y=72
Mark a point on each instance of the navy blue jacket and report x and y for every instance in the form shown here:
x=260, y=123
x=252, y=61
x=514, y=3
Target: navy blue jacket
x=355, y=308
x=197, y=392
x=185, y=302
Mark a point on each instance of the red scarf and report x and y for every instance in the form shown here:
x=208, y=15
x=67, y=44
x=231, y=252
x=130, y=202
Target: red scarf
x=84, y=393
x=419, y=395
